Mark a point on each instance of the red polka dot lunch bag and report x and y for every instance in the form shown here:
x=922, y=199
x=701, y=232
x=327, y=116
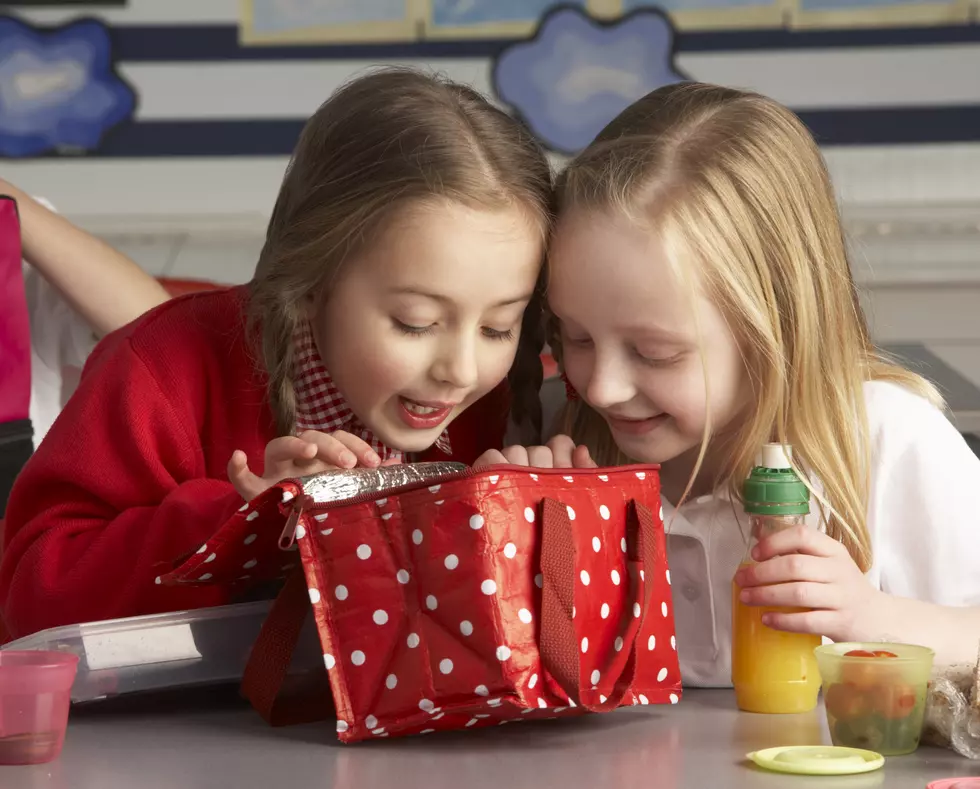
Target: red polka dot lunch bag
x=448, y=598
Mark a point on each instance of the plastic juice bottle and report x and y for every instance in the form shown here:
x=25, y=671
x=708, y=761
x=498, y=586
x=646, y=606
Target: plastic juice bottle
x=773, y=671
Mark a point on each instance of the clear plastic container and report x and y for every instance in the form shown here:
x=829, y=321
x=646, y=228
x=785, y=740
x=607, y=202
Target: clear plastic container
x=208, y=646
x=34, y=700
x=875, y=694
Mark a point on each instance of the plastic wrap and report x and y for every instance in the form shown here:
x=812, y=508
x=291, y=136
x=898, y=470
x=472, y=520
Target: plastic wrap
x=953, y=710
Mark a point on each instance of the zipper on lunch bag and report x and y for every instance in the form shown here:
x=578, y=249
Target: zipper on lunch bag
x=288, y=537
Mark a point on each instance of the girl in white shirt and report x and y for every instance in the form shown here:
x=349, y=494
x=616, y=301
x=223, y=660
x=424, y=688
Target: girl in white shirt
x=704, y=306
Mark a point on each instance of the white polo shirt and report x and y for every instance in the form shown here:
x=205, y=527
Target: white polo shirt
x=923, y=517
x=61, y=341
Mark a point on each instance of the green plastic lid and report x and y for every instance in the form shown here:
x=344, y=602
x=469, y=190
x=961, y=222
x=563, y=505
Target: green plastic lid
x=817, y=760
x=773, y=488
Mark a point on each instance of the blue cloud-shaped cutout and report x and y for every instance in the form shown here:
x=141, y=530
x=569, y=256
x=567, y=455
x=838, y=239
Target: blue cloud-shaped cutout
x=576, y=74
x=58, y=89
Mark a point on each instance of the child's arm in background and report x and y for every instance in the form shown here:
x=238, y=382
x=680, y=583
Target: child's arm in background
x=104, y=286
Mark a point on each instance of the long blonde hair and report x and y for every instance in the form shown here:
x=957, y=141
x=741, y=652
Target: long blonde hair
x=383, y=141
x=733, y=181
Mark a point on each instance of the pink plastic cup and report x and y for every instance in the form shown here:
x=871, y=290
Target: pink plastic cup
x=35, y=694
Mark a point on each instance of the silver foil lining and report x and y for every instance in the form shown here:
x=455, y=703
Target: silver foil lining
x=344, y=484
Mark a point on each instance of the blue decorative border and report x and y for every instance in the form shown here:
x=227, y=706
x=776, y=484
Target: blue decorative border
x=278, y=137
x=250, y=138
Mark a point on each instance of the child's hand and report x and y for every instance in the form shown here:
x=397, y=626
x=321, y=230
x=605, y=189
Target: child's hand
x=560, y=452
x=804, y=568
x=311, y=452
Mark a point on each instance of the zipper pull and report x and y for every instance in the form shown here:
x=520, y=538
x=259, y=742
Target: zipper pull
x=288, y=537
x=287, y=540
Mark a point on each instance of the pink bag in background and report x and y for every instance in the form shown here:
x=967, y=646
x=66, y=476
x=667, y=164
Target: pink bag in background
x=15, y=334
x=15, y=354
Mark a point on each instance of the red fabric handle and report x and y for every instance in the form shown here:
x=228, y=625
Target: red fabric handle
x=265, y=682
x=559, y=644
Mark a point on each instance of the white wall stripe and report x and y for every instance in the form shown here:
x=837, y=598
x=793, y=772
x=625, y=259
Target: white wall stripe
x=868, y=77
x=803, y=79
x=262, y=89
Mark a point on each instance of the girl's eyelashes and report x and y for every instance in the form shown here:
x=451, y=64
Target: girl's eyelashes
x=412, y=331
x=578, y=342
x=658, y=361
x=497, y=334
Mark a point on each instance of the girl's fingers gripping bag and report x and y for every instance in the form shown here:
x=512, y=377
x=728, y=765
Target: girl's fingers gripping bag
x=448, y=598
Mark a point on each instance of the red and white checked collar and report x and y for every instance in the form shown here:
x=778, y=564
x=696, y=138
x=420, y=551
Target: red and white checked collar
x=321, y=406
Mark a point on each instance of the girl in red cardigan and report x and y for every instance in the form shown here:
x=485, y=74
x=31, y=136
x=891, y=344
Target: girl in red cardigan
x=384, y=319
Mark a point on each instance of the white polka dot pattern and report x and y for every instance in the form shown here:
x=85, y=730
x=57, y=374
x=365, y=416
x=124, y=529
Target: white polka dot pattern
x=417, y=572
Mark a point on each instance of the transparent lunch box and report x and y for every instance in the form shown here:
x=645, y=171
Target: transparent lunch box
x=208, y=646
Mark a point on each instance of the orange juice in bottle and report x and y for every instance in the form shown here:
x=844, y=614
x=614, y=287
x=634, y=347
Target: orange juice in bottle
x=773, y=671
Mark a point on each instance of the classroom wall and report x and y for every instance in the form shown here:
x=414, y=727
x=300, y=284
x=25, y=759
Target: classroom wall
x=187, y=187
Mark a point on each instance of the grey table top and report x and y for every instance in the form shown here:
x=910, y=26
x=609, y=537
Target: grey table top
x=209, y=744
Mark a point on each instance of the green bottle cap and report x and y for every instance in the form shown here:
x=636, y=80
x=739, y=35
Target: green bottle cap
x=773, y=488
